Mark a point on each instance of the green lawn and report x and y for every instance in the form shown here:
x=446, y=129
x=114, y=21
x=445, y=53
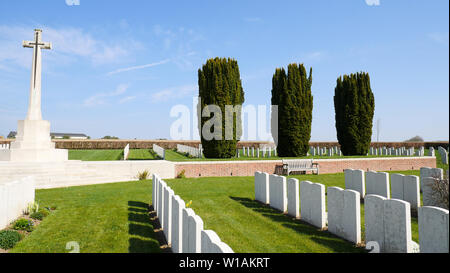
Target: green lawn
x=114, y=218
x=95, y=155
x=142, y=154
x=171, y=155
x=107, y=218
x=110, y=155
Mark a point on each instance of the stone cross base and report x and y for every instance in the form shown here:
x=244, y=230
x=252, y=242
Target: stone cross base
x=28, y=155
x=33, y=144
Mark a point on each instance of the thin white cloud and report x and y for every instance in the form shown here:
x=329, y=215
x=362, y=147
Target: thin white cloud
x=439, y=37
x=69, y=44
x=127, y=99
x=315, y=56
x=138, y=67
x=373, y=2
x=101, y=98
x=174, y=93
x=178, y=44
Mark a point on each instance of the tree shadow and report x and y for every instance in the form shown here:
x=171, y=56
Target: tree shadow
x=140, y=228
x=322, y=237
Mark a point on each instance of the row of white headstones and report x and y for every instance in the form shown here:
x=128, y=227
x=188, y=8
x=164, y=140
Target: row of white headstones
x=402, y=151
x=4, y=146
x=160, y=151
x=192, y=151
x=182, y=228
x=269, y=151
x=387, y=221
x=265, y=151
x=397, y=186
x=324, y=151
x=15, y=196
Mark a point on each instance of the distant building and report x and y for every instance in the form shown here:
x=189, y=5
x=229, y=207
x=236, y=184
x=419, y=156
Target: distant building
x=13, y=134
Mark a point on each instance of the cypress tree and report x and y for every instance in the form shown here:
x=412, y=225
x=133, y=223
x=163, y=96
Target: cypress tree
x=354, y=105
x=292, y=93
x=220, y=84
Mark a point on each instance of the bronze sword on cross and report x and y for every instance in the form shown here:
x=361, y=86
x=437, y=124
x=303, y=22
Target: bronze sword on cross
x=37, y=44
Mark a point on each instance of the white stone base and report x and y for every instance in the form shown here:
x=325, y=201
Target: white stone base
x=33, y=144
x=78, y=173
x=32, y=155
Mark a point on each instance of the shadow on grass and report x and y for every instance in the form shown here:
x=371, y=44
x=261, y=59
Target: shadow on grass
x=142, y=237
x=319, y=236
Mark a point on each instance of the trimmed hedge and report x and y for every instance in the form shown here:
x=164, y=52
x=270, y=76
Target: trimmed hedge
x=354, y=105
x=291, y=91
x=220, y=84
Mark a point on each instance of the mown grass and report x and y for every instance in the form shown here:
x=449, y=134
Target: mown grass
x=107, y=218
x=95, y=155
x=171, y=155
x=142, y=154
x=113, y=218
x=226, y=206
x=110, y=155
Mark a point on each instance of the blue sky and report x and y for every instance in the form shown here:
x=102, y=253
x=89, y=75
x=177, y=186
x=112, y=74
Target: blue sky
x=118, y=67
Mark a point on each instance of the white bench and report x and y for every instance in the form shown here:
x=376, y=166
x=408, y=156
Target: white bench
x=302, y=165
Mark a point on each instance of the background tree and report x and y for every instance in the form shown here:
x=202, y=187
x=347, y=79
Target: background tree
x=292, y=93
x=110, y=137
x=11, y=135
x=354, y=105
x=220, y=84
x=415, y=139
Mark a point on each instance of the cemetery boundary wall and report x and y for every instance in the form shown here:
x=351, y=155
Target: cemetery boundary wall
x=248, y=168
x=171, y=144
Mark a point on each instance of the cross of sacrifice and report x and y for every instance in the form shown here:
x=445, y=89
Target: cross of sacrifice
x=34, y=108
x=37, y=45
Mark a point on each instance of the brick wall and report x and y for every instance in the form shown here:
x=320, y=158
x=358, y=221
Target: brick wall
x=248, y=168
x=170, y=144
x=134, y=144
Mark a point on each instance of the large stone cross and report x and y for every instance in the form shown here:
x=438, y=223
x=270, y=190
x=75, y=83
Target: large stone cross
x=34, y=108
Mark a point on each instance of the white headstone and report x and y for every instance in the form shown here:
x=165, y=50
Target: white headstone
x=293, y=198
x=177, y=224
x=355, y=180
x=377, y=183
x=431, y=196
x=374, y=219
x=344, y=217
x=126, y=152
x=433, y=230
x=209, y=241
x=312, y=204
x=278, y=192
x=262, y=187
x=186, y=214
x=195, y=224
x=167, y=218
x=397, y=226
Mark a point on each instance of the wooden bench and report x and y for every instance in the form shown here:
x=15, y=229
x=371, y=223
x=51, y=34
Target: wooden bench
x=300, y=165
